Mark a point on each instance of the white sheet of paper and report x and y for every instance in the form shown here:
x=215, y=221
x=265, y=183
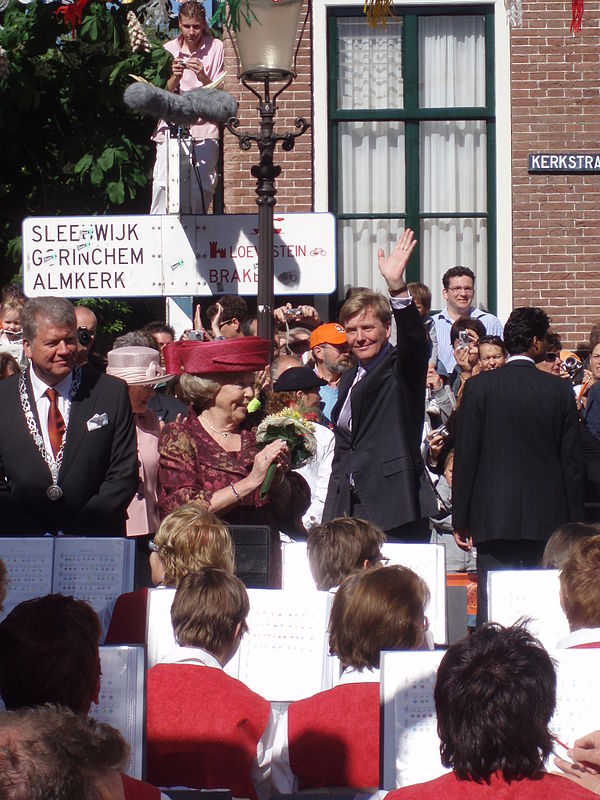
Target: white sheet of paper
x=284, y=654
x=427, y=560
x=122, y=699
x=96, y=570
x=29, y=568
x=532, y=593
x=410, y=741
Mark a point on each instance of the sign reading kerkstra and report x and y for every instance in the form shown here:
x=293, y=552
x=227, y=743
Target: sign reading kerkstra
x=145, y=256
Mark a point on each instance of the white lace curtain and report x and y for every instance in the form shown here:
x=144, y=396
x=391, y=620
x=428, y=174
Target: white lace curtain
x=371, y=154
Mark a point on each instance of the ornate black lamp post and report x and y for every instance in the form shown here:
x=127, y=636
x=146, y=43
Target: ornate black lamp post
x=265, y=50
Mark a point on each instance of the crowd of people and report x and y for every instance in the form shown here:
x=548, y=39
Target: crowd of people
x=467, y=433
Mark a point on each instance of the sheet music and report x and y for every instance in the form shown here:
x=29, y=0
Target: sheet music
x=29, y=568
x=429, y=562
x=122, y=699
x=528, y=593
x=96, y=570
x=284, y=655
x=410, y=741
x=577, y=700
x=410, y=744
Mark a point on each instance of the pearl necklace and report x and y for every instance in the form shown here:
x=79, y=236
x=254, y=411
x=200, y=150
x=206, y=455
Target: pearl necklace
x=224, y=434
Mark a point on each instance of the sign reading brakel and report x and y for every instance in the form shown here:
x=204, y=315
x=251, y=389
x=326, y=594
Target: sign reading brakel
x=567, y=163
x=145, y=256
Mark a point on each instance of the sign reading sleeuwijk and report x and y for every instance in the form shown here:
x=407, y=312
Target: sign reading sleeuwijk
x=145, y=256
x=564, y=162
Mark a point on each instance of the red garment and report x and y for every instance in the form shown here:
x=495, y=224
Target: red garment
x=138, y=790
x=202, y=728
x=193, y=467
x=128, y=621
x=334, y=737
x=543, y=787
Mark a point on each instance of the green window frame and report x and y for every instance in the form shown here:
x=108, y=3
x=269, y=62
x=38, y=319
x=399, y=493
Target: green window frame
x=412, y=115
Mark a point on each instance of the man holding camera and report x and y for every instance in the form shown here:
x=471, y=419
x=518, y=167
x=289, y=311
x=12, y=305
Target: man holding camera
x=68, y=454
x=518, y=465
x=87, y=325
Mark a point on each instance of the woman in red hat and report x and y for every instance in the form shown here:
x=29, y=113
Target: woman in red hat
x=211, y=457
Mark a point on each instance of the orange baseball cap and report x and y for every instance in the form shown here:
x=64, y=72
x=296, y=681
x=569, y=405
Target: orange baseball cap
x=329, y=333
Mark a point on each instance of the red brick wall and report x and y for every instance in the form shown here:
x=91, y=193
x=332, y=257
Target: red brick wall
x=295, y=184
x=556, y=218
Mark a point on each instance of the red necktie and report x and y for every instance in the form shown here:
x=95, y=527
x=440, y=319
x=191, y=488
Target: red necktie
x=56, y=423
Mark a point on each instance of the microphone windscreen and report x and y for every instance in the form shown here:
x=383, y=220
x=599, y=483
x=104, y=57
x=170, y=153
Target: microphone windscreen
x=211, y=105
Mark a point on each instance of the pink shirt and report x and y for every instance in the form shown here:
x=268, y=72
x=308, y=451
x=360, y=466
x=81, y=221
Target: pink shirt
x=210, y=52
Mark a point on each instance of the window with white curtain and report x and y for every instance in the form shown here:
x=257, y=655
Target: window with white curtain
x=411, y=136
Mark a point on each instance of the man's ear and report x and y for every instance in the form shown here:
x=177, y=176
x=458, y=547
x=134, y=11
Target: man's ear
x=238, y=325
x=237, y=632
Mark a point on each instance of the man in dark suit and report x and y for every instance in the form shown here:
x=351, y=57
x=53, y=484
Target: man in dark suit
x=518, y=468
x=378, y=472
x=68, y=454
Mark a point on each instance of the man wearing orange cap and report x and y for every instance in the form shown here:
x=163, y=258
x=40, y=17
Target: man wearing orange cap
x=331, y=355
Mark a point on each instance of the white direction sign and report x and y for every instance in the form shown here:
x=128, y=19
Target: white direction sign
x=146, y=256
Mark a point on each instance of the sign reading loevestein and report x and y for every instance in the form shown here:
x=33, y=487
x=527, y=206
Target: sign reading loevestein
x=146, y=256
x=564, y=162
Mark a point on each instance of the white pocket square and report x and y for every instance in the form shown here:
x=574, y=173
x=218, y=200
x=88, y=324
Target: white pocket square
x=97, y=421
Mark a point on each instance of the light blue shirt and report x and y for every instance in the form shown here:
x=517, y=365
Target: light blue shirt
x=443, y=323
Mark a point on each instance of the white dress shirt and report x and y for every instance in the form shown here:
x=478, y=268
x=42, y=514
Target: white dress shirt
x=42, y=403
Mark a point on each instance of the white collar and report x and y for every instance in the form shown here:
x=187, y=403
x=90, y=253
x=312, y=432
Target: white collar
x=352, y=675
x=39, y=387
x=190, y=655
x=582, y=636
x=519, y=357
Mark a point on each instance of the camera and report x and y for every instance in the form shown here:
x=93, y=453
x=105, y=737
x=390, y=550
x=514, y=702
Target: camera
x=293, y=312
x=441, y=431
x=463, y=340
x=195, y=336
x=84, y=337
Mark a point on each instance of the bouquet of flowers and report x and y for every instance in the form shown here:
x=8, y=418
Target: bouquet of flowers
x=295, y=431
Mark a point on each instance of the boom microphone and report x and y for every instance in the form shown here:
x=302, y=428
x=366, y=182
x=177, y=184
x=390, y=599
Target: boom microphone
x=212, y=105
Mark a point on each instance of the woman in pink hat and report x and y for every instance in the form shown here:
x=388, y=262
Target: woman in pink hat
x=140, y=368
x=211, y=457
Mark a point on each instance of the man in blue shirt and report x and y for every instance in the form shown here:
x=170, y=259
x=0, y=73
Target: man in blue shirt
x=459, y=289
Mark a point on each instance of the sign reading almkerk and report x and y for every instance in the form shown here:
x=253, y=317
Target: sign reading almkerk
x=145, y=256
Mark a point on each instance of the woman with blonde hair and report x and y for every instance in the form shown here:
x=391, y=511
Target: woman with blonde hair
x=187, y=540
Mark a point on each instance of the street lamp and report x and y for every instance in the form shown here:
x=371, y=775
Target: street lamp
x=264, y=49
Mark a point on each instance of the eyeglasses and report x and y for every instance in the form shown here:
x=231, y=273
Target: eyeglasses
x=552, y=357
x=456, y=289
x=153, y=547
x=225, y=322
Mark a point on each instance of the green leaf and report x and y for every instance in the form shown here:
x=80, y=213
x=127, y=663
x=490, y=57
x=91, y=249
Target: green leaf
x=83, y=164
x=116, y=192
x=96, y=175
x=107, y=159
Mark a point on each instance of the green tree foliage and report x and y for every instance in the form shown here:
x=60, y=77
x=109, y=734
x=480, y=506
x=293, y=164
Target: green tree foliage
x=68, y=144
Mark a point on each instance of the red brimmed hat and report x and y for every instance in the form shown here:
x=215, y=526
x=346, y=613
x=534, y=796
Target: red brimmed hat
x=227, y=355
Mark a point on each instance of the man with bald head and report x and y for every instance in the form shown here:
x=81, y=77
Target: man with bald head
x=87, y=324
